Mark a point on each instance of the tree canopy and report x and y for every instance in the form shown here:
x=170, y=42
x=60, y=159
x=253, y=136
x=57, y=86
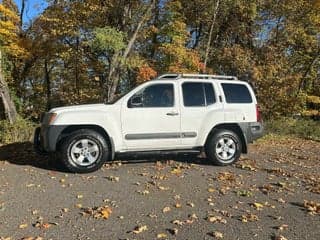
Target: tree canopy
x=91, y=51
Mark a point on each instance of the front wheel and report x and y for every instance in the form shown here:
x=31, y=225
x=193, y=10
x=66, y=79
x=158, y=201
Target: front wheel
x=223, y=147
x=84, y=151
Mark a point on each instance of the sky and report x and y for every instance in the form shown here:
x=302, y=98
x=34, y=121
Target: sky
x=32, y=9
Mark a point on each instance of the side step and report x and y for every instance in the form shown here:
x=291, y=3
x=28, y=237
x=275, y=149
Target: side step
x=135, y=154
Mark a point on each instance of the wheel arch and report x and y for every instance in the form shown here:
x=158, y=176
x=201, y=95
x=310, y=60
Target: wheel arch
x=232, y=127
x=72, y=128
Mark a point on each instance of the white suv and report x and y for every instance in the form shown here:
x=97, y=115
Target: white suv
x=175, y=113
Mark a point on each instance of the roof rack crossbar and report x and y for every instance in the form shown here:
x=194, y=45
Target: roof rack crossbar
x=169, y=76
x=208, y=76
x=199, y=76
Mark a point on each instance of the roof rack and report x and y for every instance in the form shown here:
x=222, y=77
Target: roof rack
x=172, y=76
x=169, y=76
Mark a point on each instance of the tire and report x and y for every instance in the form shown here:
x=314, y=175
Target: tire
x=84, y=151
x=223, y=147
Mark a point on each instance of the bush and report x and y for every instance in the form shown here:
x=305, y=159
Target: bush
x=303, y=128
x=20, y=131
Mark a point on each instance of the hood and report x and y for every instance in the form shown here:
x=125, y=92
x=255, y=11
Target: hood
x=85, y=107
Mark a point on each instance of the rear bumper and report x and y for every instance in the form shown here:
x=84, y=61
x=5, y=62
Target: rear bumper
x=46, y=138
x=255, y=131
x=252, y=131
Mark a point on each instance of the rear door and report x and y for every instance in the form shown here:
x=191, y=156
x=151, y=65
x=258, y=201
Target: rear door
x=198, y=100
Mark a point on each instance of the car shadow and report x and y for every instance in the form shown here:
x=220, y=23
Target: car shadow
x=22, y=153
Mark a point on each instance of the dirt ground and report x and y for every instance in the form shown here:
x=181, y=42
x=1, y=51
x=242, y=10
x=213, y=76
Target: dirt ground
x=271, y=193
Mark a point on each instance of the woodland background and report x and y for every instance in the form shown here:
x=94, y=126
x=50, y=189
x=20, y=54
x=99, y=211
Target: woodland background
x=87, y=51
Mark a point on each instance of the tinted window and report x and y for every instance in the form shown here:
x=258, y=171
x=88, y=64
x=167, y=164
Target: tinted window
x=157, y=95
x=236, y=93
x=210, y=97
x=197, y=94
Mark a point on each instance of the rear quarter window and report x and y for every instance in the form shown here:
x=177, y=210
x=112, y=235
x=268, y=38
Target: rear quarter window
x=236, y=93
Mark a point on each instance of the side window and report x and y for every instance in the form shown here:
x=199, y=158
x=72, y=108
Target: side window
x=156, y=95
x=210, y=96
x=198, y=94
x=236, y=93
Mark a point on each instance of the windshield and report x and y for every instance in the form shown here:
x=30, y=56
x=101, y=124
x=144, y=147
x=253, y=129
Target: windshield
x=119, y=96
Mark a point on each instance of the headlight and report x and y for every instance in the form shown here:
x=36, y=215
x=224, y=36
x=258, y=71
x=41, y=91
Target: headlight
x=49, y=118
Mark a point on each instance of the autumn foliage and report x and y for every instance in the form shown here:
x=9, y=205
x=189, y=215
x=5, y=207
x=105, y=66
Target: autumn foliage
x=88, y=51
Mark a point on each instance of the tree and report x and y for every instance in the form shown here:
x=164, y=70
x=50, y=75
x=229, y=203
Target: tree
x=11, y=44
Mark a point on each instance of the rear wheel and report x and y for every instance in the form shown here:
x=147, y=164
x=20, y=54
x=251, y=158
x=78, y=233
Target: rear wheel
x=223, y=147
x=84, y=151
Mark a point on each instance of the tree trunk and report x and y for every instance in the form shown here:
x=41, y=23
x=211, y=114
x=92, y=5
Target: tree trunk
x=117, y=60
x=9, y=109
x=215, y=13
x=23, y=4
x=48, y=84
x=302, y=83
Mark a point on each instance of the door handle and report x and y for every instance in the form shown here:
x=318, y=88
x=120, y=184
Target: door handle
x=172, y=113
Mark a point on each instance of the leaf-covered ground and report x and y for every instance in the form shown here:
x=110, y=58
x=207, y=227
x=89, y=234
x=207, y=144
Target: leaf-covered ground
x=271, y=193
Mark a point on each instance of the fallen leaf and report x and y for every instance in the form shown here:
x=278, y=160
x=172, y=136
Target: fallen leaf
x=46, y=225
x=190, y=204
x=258, y=206
x=105, y=212
x=216, y=219
x=140, y=229
x=244, y=193
x=161, y=235
x=144, y=192
x=166, y=209
x=173, y=231
x=178, y=205
x=65, y=210
x=113, y=178
x=217, y=235
x=177, y=222
x=283, y=227
x=163, y=188
x=280, y=237
x=249, y=218
x=312, y=207
x=176, y=171
x=78, y=205
x=22, y=226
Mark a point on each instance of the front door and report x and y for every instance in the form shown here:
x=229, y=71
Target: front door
x=151, y=118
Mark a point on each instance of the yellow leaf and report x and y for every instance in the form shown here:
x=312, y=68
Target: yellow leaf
x=105, y=212
x=258, y=206
x=166, y=209
x=161, y=235
x=140, y=229
x=178, y=205
x=217, y=235
x=176, y=171
x=22, y=226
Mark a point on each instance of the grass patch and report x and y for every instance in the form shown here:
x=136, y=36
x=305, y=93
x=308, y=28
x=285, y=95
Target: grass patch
x=20, y=131
x=302, y=128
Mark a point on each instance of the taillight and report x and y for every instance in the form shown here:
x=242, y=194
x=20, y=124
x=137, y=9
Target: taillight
x=258, y=113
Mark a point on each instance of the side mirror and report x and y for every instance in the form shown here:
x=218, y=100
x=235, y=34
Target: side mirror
x=136, y=101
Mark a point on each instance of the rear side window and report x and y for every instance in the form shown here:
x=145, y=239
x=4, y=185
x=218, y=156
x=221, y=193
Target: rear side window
x=236, y=93
x=198, y=94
